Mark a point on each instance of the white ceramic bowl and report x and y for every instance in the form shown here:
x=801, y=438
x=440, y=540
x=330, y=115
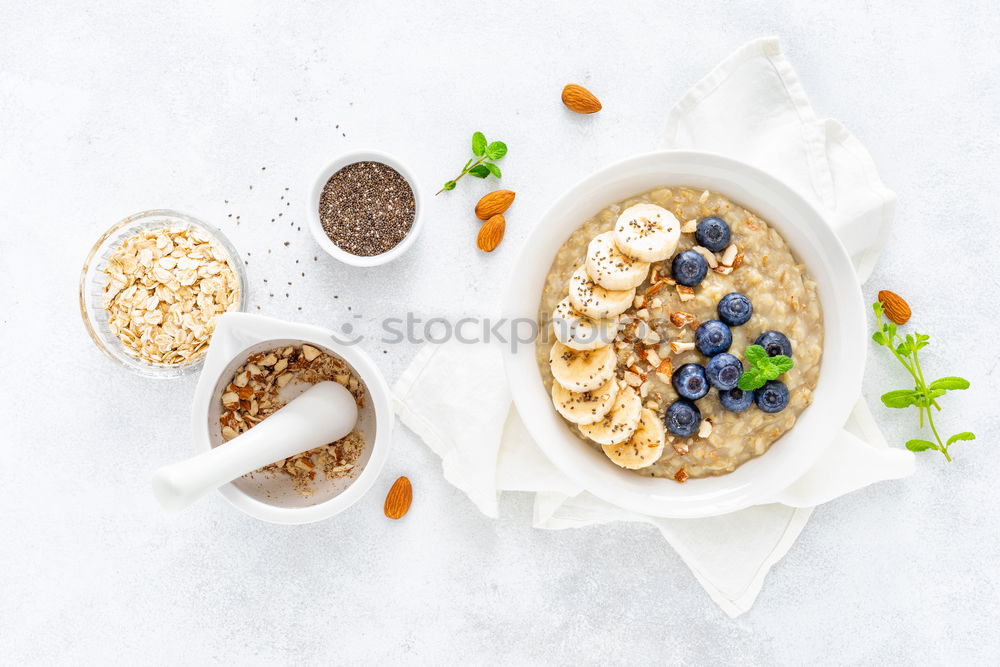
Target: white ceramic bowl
x=316, y=227
x=273, y=498
x=813, y=242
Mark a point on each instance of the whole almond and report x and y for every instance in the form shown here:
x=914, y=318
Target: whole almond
x=894, y=306
x=579, y=99
x=397, y=503
x=491, y=233
x=494, y=203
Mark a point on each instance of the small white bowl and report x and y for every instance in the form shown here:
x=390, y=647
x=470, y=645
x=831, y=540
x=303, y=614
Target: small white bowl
x=316, y=227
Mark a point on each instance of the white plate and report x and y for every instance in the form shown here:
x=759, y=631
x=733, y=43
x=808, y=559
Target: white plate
x=812, y=240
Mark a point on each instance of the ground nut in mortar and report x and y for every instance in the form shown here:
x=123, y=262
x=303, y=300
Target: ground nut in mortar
x=253, y=395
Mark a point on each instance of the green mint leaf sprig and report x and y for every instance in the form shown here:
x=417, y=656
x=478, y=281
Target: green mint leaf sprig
x=763, y=368
x=924, y=396
x=481, y=164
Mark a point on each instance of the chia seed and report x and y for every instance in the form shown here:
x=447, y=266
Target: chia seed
x=367, y=208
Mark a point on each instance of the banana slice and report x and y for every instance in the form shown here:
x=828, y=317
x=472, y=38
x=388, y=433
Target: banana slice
x=586, y=407
x=576, y=330
x=647, y=232
x=645, y=446
x=593, y=300
x=619, y=424
x=582, y=370
x=610, y=267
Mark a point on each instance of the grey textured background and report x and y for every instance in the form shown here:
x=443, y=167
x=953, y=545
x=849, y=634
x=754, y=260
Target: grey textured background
x=105, y=113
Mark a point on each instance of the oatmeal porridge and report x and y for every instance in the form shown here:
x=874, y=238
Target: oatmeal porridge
x=654, y=303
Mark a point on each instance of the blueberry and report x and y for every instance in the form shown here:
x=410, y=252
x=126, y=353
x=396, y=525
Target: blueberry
x=682, y=418
x=736, y=400
x=713, y=233
x=772, y=397
x=690, y=382
x=713, y=337
x=735, y=309
x=689, y=268
x=775, y=343
x=723, y=371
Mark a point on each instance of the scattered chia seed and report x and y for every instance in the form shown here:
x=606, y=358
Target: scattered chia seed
x=367, y=208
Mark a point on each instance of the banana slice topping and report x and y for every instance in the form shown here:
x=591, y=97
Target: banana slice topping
x=620, y=423
x=594, y=301
x=574, y=329
x=582, y=370
x=610, y=267
x=585, y=407
x=647, y=232
x=644, y=448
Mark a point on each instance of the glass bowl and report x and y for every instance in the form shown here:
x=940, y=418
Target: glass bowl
x=93, y=280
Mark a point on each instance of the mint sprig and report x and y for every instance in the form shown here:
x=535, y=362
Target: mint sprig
x=923, y=396
x=763, y=368
x=487, y=153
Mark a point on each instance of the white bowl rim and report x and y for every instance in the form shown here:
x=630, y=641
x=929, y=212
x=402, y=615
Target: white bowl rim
x=841, y=371
x=316, y=227
x=378, y=391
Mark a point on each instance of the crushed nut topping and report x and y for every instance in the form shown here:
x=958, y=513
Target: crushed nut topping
x=709, y=256
x=729, y=256
x=678, y=346
x=681, y=319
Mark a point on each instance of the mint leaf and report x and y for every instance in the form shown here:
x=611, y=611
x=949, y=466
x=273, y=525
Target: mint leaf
x=920, y=445
x=478, y=144
x=961, y=436
x=935, y=393
x=755, y=354
x=906, y=349
x=487, y=152
x=901, y=398
x=751, y=380
x=949, y=383
x=782, y=364
x=496, y=150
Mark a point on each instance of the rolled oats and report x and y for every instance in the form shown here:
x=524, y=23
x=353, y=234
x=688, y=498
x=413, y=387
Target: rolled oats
x=164, y=289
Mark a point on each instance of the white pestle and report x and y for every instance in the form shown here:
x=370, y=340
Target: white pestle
x=323, y=413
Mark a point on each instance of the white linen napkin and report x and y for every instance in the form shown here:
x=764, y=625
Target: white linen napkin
x=750, y=107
